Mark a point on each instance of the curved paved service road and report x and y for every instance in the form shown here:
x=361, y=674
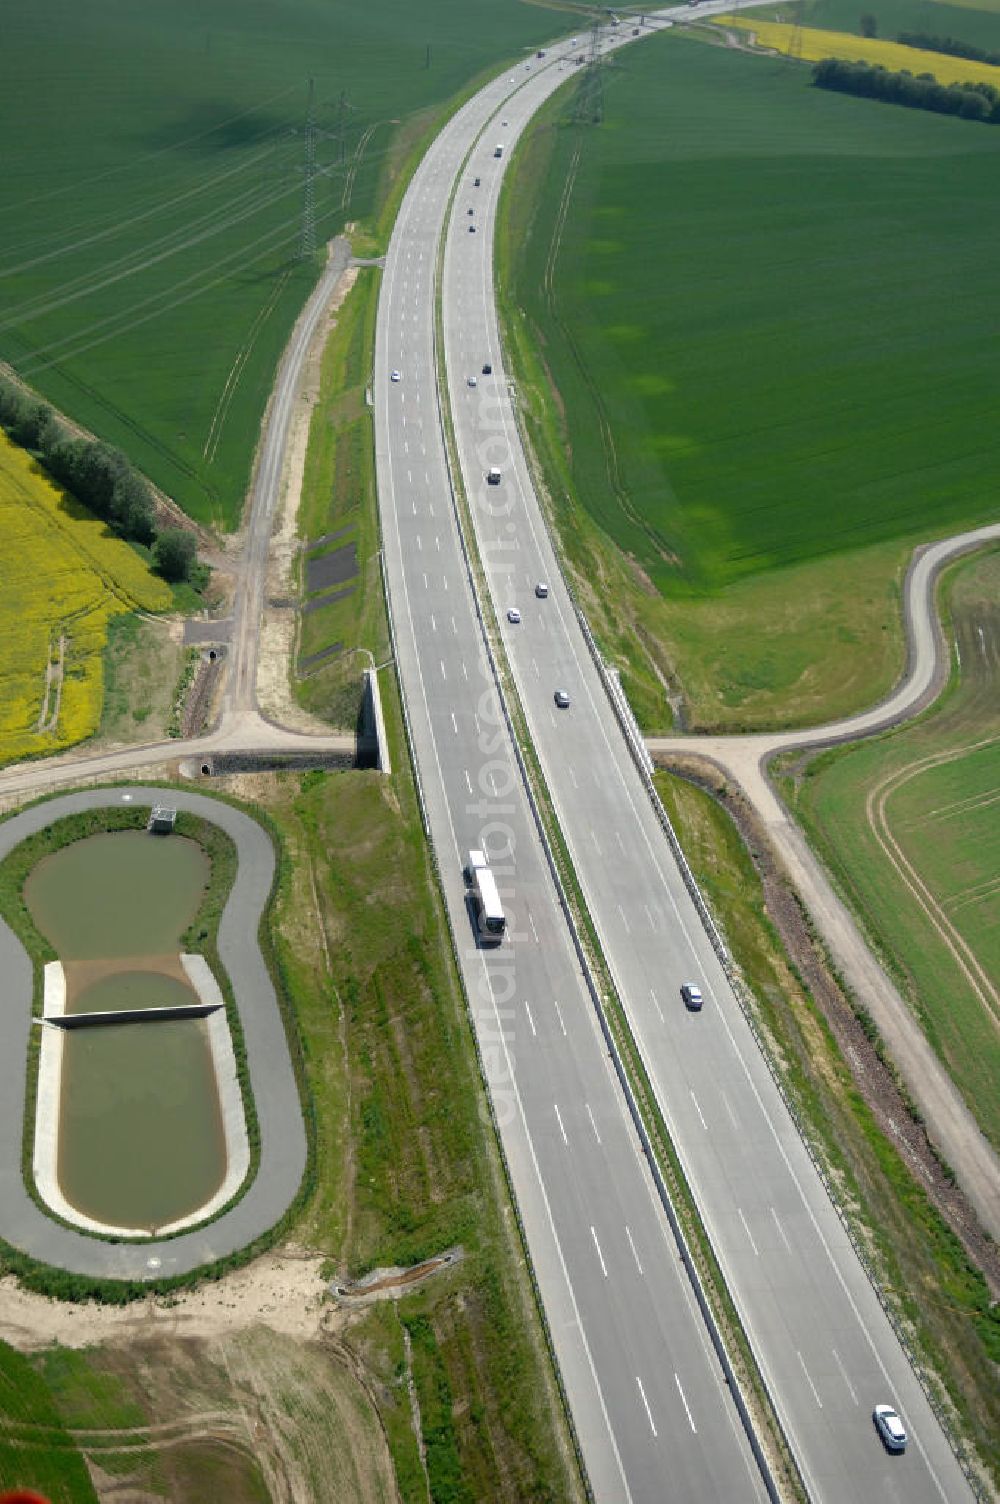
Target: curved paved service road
x=282, y=1133
x=948, y=1120
x=821, y=1337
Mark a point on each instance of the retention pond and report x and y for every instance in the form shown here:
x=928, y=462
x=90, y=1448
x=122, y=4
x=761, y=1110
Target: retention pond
x=140, y=1134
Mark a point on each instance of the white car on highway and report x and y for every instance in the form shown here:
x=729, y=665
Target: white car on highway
x=395, y=376
x=890, y=1428
x=513, y=616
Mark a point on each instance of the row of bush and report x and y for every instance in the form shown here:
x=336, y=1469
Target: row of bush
x=98, y=476
x=917, y=92
x=951, y=46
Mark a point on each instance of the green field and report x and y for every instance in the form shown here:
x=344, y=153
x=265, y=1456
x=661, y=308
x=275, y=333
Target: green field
x=150, y=203
x=978, y=22
x=910, y=825
x=764, y=313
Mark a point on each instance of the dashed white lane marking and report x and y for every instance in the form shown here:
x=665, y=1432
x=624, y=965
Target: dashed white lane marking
x=687, y=1408
x=420, y=544
x=726, y=1104
x=531, y=1021
x=600, y=1255
x=649, y=1413
x=628, y=929
x=628, y=1234
x=426, y=586
x=843, y=1374
x=656, y=1005
x=699, y=1111
x=597, y=844
x=454, y=626
x=592, y=1123
x=618, y=838
x=531, y=921
x=535, y=667
x=444, y=580
x=468, y=780
x=434, y=625
x=559, y=1014
x=746, y=1229
x=812, y=1386
x=559, y=1120
x=652, y=922
x=781, y=1230
x=444, y=671
x=572, y=776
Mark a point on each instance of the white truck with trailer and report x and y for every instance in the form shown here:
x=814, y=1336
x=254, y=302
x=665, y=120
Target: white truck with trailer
x=482, y=885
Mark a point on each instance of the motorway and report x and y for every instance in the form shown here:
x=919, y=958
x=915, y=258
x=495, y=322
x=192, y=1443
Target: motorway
x=949, y=1123
x=822, y=1340
x=646, y=1391
x=23, y=1224
x=652, y=1412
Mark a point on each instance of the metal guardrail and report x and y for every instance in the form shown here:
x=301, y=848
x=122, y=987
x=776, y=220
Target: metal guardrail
x=635, y=1111
x=643, y=763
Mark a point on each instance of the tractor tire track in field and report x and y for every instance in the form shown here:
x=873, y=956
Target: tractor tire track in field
x=611, y=462
x=876, y=813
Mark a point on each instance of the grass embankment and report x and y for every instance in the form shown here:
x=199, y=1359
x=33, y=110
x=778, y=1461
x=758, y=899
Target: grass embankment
x=143, y=661
x=151, y=273
x=338, y=496
x=63, y=578
x=940, y=1296
x=407, y=1165
x=910, y=826
x=754, y=369
x=812, y=45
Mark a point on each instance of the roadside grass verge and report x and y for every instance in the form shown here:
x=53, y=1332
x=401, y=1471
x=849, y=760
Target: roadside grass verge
x=142, y=662
x=940, y=1297
x=338, y=495
x=909, y=826
x=738, y=450
x=407, y=1165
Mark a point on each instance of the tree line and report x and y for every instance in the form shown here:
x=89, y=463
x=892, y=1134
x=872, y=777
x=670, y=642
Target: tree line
x=949, y=45
x=98, y=475
x=916, y=91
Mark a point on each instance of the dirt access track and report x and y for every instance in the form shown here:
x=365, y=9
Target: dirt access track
x=744, y=759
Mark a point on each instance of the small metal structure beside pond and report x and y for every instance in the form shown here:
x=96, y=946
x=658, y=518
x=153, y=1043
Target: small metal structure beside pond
x=139, y=1124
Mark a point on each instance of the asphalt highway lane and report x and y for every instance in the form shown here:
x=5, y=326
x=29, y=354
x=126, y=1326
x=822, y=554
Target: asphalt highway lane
x=821, y=1337
x=651, y=1408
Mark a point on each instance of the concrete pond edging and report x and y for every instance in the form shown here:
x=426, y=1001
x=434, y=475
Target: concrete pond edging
x=24, y=1226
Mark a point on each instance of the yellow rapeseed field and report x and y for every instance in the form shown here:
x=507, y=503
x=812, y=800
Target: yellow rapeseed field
x=62, y=577
x=814, y=45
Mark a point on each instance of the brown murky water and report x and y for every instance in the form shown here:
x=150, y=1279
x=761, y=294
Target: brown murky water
x=140, y=1125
